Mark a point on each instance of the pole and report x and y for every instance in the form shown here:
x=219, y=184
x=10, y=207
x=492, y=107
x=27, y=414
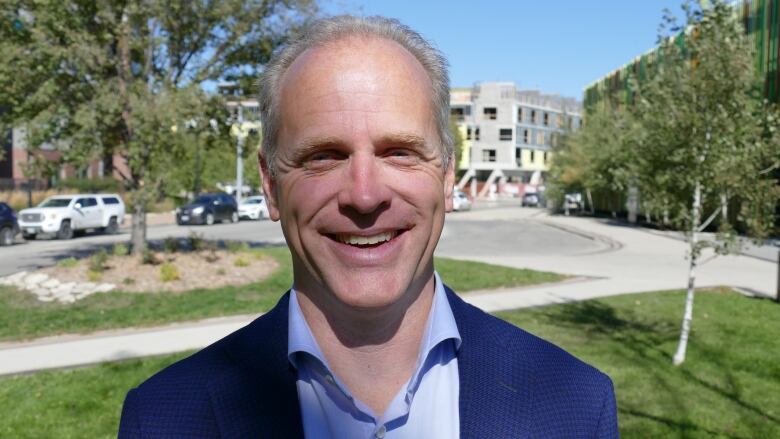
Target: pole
x=239, y=153
x=777, y=295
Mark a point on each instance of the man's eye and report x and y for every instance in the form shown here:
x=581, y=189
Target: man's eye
x=402, y=156
x=321, y=160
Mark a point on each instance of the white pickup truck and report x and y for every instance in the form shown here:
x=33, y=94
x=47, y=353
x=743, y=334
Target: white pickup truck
x=64, y=215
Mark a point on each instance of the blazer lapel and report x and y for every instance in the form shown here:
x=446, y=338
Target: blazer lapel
x=495, y=385
x=258, y=397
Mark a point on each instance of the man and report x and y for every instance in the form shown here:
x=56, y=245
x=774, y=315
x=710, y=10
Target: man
x=357, y=165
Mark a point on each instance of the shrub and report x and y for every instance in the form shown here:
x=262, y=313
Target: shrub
x=195, y=241
x=97, y=262
x=171, y=245
x=236, y=246
x=221, y=271
x=121, y=249
x=128, y=281
x=68, y=262
x=94, y=276
x=241, y=262
x=149, y=258
x=87, y=185
x=169, y=272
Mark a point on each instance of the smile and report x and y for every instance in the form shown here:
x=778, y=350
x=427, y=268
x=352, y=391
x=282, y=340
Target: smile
x=372, y=240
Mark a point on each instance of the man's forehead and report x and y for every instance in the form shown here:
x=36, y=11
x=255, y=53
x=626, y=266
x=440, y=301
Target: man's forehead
x=372, y=64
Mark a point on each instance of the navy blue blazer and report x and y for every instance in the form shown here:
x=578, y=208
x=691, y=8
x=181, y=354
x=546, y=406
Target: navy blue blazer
x=512, y=385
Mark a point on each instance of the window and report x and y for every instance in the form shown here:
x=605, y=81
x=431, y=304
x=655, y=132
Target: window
x=490, y=113
x=468, y=133
x=559, y=124
x=533, y=116
x=476, y=133
x=519, y=114
x=518, y=157
x=533, y=156
x=544, y=157
x=540, y=137
x=546, y=119
x=87, y=202
x=526, y=136
x=458, y=113
x=505, y=134
x=488, y=155
x=110, y=200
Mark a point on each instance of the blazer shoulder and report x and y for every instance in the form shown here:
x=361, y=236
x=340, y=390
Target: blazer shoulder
x=540, y=355
x=177, y=398
x=557, y=394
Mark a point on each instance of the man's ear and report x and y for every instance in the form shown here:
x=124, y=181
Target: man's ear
x=269, y=187
x=449, y=184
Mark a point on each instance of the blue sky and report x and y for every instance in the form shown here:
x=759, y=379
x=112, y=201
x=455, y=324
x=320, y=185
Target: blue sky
x=555, y=46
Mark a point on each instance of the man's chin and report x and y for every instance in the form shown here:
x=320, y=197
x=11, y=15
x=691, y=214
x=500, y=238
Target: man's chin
x=376, y=292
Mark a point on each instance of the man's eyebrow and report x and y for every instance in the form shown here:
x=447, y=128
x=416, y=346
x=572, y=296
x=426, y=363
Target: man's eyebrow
x=404, y=139
x=314, y=144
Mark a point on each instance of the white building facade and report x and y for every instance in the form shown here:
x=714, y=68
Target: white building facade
x=509, y=134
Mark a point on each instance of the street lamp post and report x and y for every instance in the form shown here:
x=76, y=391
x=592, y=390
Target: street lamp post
x=239, y=154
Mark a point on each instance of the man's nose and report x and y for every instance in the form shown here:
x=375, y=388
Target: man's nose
x=366, y=188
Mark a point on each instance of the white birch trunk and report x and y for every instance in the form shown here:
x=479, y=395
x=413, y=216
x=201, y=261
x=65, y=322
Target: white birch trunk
x=679, y=356
x=590, y=202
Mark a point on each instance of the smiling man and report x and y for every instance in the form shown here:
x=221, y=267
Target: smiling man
x=357, y=166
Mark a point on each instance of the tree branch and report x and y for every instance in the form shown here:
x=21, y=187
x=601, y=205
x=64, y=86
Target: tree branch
x=774, y=166
x=709, y=220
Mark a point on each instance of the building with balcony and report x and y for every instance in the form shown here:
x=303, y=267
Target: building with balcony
x=509, y=134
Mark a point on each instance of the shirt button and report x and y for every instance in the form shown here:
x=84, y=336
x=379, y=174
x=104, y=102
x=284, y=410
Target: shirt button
x=381, y=432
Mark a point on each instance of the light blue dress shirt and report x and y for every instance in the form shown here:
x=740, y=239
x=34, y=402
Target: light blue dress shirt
x=426, y=406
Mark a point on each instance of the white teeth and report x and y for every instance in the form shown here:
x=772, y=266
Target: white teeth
x=366, y=240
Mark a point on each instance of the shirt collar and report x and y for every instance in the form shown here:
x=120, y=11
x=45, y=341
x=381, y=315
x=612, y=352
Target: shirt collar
x=441, y=326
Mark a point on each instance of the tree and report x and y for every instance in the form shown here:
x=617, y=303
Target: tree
x=98, y=78
x=457, y=140
x=707, y=139
x=596, y=157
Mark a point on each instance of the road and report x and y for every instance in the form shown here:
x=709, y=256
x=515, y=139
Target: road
x=476, y=232
x=618, y=257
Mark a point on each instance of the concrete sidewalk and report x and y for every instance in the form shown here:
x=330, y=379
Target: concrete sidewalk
x=74, y=350
x=630, y=261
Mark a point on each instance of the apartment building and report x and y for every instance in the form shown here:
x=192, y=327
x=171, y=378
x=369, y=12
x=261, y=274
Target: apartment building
x=509, y=133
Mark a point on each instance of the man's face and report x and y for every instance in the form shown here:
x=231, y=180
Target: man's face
x=360, y=189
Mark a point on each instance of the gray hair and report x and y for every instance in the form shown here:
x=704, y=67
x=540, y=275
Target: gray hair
x=328, y=30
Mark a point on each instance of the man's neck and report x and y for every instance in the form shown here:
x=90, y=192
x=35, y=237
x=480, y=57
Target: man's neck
x=373, y=355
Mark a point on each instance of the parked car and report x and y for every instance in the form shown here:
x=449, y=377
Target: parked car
x=208, y=209
x=573, y=201
x=253, y=208
x=533, y=199
x=9, y=226
x=64, y=215
x=460, y=201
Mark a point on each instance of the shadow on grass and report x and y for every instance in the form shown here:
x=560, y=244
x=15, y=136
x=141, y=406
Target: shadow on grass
x=684, y=428
x=643, y=341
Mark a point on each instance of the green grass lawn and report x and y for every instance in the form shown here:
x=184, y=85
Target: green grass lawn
x=728, y=388
x=24, y=317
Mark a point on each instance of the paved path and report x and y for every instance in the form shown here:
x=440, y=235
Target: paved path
x=621, y=260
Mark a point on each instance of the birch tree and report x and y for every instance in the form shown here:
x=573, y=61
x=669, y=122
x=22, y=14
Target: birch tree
x=707, y=138
x=101, y=77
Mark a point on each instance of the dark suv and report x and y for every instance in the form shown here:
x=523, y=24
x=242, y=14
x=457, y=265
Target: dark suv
x=9, y=226
x=208, y=209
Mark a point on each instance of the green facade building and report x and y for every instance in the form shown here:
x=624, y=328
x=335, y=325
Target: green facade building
x=761, y=20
